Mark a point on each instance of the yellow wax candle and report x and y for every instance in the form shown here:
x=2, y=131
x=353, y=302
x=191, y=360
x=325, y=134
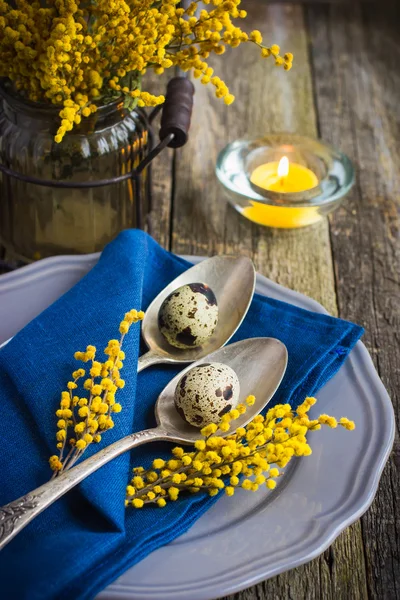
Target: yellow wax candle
x=283, y=177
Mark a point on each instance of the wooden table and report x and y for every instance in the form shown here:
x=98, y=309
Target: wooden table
x=344, y=87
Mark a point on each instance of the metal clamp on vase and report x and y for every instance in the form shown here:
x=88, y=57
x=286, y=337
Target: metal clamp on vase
x=74, y=197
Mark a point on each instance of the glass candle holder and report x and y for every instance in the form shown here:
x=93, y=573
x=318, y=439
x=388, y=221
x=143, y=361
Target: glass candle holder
x=321, y=176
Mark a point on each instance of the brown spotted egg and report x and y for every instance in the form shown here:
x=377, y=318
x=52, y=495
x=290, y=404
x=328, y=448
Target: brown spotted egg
x=188, y=316
x=205, y=393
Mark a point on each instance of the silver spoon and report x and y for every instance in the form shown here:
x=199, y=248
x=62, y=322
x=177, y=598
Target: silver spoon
x=232, y=279
x=259, y=363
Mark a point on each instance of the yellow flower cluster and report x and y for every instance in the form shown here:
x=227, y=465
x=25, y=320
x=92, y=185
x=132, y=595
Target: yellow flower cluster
x=76, y=54
x=88, y=416
x=248, y=458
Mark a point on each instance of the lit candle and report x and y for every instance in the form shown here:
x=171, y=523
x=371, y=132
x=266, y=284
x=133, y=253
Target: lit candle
x=283, y=177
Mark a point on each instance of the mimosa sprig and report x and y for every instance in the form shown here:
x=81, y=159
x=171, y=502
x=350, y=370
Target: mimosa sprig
x=249, y=458
x=76, y=54
x=84, y=418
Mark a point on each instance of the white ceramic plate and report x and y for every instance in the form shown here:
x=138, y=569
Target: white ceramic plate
x=250, y=537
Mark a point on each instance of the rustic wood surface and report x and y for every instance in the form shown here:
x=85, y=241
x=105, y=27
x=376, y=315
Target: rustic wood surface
x=345, y=87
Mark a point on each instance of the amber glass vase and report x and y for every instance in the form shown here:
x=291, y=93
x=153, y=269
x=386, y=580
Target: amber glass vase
x=40, y=219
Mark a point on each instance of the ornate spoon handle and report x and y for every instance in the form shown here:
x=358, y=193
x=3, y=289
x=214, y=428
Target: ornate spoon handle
x=17, y=514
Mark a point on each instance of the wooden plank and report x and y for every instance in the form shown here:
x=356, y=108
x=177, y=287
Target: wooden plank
x=268, y=99
x=355, y=53
x=162, y=172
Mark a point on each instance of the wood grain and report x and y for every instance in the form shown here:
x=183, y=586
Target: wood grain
x=162, y=174
x=359, y=110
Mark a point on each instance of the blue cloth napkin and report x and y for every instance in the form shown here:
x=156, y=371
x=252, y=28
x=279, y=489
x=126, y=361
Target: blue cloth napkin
x=87, y=539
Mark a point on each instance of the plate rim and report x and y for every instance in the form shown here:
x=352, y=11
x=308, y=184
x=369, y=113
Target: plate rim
x=254, y=574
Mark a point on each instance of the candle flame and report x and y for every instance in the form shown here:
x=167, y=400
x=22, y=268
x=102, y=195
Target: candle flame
x=283, y=167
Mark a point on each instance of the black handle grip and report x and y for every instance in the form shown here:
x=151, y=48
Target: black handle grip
x=177, y=111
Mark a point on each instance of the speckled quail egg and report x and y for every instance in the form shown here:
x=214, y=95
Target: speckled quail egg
x=205, y=393
x=189, y=316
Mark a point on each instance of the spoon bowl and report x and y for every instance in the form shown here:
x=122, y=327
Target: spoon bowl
x=232, y=279
x=259, y=363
